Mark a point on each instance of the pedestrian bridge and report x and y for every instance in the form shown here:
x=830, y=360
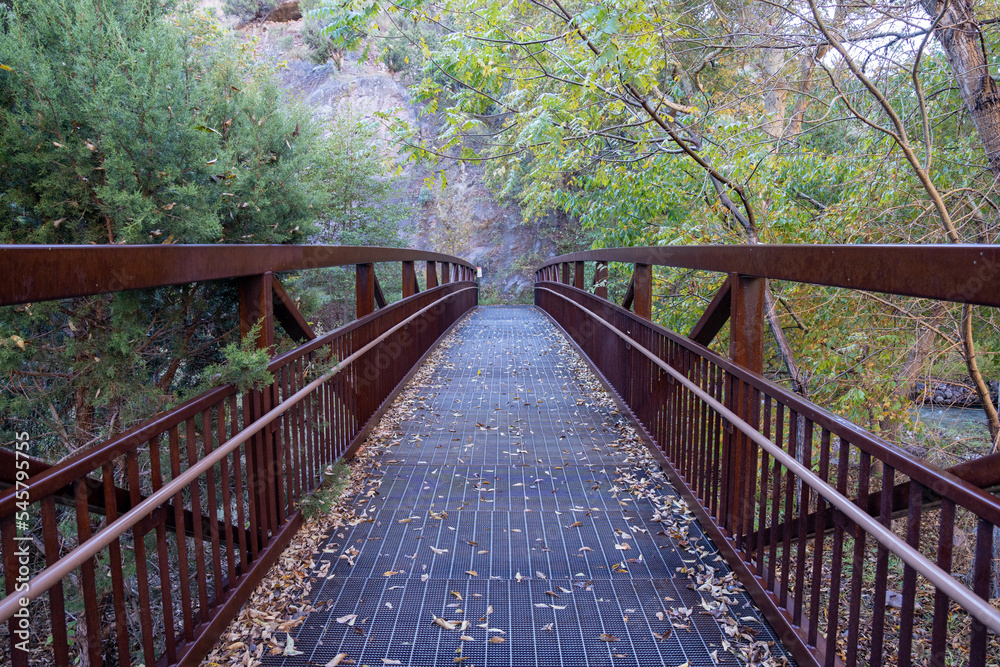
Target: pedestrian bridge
x=568, y=483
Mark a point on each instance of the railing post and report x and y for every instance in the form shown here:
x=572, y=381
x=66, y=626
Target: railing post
x=601, y=279
x=578, y=276
x=365, y=289
x=256, y=296
x=257, y=305
x=432, y=276
x=643, y=280
x=565, y=273
x=409, y=279
x=746, y=347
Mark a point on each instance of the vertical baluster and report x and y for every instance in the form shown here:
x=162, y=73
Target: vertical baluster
x=715, y=453
x=8, y=536
x=837, y=564
x=197, y=518
x=791, y=485
x=115, y=566
x=57, y=605
x=180, y=535
x=910, y=575
x=251, y=469
x=291, y=493
x=819, y=542
x=946, y=537
x=982, y=570
x=295, y=425
x=776, y=520
x=765, y=470
x=213, y=507
x=238, y=455
x=139, y=547
x=805, y=448
x=269, y=496
x=227, y=509
x=92, y=612
x=278, y=446
x=882, y=567
x=858, y=568
x=163, y=556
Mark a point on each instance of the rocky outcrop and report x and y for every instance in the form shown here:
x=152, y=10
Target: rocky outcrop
x=950, y=394
x=285, y=11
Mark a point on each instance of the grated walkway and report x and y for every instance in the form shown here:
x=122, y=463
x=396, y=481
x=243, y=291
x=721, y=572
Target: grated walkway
x=516, y=501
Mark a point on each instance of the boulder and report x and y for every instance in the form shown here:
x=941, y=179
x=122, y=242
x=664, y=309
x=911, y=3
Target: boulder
x=285, y=11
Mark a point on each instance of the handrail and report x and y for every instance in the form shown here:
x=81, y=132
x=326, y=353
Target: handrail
x=980, y=609
x=51, y=575
x=908, y=270
x=82, y=463
x=65, y=271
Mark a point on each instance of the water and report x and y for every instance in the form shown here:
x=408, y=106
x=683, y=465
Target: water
x=942, y=417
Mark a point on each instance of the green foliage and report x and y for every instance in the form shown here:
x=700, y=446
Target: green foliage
x=135, y=125
x=244, y=364
x=357, y=189
x=336, y=479
x=247, y=10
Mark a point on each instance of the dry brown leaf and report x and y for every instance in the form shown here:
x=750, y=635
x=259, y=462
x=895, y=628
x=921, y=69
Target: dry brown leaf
x=497, y=640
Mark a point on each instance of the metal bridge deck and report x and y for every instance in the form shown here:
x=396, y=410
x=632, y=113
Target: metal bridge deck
x=507, y=503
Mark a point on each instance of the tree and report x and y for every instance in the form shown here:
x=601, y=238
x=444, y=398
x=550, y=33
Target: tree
x=741, y=122
x=127, y=122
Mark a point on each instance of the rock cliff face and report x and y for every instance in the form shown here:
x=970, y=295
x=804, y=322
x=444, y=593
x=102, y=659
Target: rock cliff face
x=464, y=218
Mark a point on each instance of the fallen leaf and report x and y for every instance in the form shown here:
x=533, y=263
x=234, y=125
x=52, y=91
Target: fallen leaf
x=472, y=573
x=290, y=647
x=457, y=595
x=496, y=640
x=390, y=661
x=337, y=659
x=444, y=623
x=608, y=638
x=349, y=619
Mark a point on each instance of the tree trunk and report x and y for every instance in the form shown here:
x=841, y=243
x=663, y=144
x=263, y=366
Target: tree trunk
x=960, y=36
x=775, y=92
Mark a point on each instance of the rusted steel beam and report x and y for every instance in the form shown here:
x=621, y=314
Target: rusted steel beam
x=962, y=273
x=629, y=295
x=432, y=278
x=746, y=331
x=601, y=279
x=379, y=295
x=31, y=273
x=365, y=289
x=288, y=314
x=715, y=316
x=642, y=284
x=565, y=273
x=257, y=307
x=746, y=348
x=410, y=286
x=578, y=275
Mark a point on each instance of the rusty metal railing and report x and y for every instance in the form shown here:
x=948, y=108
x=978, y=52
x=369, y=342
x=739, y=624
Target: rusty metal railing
x=177, y=520
x=811, y=511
